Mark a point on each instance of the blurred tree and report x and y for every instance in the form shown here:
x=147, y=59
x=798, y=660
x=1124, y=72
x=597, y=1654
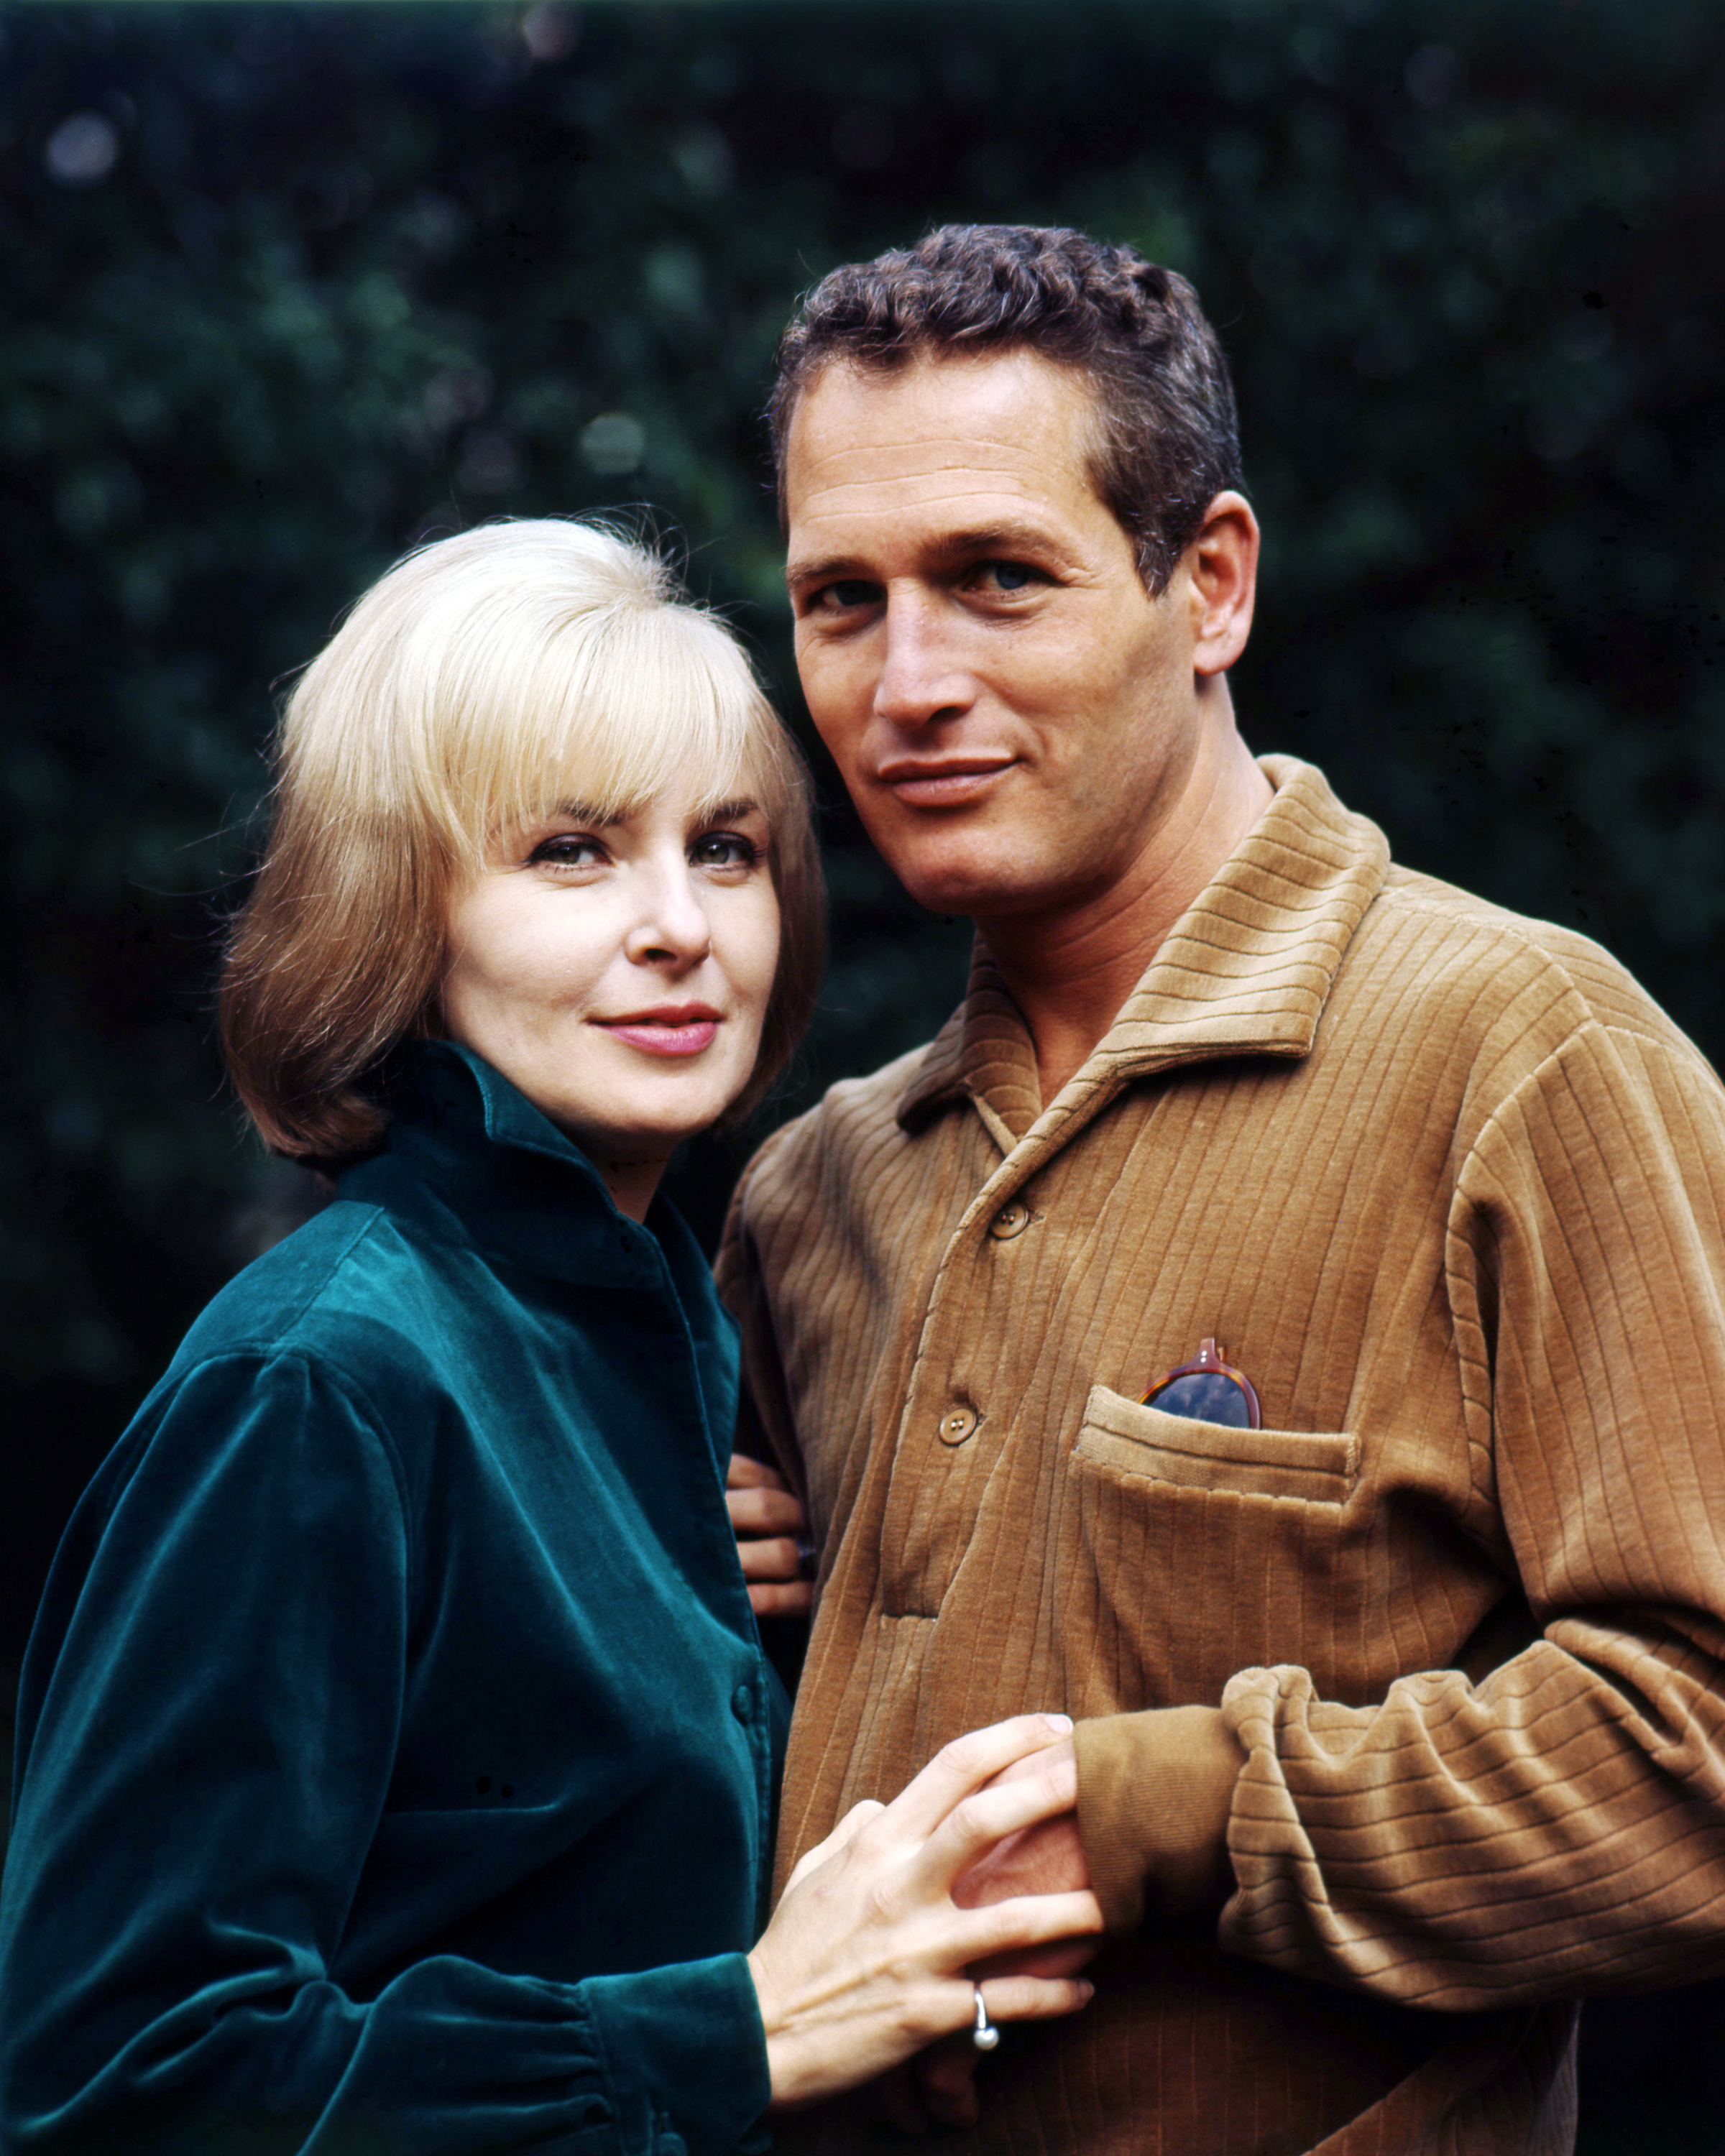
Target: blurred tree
x=287, y=289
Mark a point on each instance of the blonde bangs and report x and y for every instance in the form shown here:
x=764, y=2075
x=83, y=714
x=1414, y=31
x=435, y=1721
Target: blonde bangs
x=518, y=668
x=618, y=710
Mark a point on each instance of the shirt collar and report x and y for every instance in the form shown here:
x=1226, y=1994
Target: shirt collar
x=1245, y=971
x=469, y=1158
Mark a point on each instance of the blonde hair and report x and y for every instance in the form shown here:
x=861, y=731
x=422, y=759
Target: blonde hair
x=483, y=681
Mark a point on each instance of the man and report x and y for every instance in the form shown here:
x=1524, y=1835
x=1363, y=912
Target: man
x=1399, y=1718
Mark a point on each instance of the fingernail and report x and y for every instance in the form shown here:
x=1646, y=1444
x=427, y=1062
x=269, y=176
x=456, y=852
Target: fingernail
x=1089, y=1990
x=1063, y=1723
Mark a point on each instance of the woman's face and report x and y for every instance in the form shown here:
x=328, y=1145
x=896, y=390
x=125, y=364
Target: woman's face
x=617, y=974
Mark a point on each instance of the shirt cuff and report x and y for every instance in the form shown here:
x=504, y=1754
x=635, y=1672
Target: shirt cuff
x=685, y=2046
x=1154, y=1792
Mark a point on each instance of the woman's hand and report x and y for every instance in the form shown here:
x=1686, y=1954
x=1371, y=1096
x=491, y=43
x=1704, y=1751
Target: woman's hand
x=864, y=1961
x=767, y=1522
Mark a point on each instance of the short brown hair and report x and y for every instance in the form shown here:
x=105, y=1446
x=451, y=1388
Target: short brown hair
x=1168, y=433
x=483, y=679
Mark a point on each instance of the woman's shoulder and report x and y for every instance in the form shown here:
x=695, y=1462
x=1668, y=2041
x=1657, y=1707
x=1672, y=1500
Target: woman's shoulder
x=347, y=1293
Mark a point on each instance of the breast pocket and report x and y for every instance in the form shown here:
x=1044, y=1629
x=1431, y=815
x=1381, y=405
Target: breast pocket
x=1123, y=1438
x=1209, y=1549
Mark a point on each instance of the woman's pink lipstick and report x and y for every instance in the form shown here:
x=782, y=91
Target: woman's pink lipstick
x=674, y=1030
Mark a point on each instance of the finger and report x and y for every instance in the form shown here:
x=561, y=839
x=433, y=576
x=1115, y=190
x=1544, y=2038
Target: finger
x=778, y=1559
x=1029, y=1920
x=763, y=1512
x=968, y=1761
x=897, y=2095
x=946, y=2081
x=1033, y=1763
x=1035, y=1997
x=1064, y=1958
x=794, y=1598
x=743, y=1473
x=987, y=1816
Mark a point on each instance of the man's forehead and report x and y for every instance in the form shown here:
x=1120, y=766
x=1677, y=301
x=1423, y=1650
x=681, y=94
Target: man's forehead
x=964, y=437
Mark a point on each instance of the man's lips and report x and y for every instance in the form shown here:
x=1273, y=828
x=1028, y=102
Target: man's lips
x=671, y=1029
x=945, y=783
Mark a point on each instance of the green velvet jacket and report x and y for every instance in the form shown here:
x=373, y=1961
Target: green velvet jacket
x=396, y=1751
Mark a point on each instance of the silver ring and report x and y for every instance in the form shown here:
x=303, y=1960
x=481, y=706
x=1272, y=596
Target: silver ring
x=985, y=2035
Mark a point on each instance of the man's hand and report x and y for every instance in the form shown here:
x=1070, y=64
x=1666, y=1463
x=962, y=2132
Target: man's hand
x=1045, y=1859
x=938, y=2086
x=768, y=1521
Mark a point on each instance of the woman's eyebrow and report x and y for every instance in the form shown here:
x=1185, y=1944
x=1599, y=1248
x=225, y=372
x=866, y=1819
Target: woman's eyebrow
x=728, y=812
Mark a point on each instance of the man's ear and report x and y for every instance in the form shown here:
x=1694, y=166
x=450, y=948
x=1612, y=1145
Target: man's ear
x=1222, y=565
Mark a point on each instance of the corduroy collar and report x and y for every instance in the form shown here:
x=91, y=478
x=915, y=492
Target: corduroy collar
x=1244, y=972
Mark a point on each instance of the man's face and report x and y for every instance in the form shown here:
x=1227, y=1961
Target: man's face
x=1012, y=712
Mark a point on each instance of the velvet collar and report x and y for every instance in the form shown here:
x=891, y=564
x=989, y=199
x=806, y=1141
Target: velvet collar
x=469, y=1159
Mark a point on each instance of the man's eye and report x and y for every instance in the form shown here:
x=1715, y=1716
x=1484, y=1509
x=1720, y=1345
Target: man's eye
x=848, y=593
x=568, y=850
x=1007, y=576
x=724, y=849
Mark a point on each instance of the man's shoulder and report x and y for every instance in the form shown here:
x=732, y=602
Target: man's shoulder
x=1432, y=941
x=853, y=1120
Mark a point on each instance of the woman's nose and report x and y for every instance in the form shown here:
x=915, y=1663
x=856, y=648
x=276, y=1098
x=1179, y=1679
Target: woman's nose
x=672, y=923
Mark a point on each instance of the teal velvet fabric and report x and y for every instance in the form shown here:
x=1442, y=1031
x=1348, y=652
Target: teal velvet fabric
x=396, y=1751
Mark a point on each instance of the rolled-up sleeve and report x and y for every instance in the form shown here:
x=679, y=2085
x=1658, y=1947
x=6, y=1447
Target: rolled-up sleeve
x=1558, y=1827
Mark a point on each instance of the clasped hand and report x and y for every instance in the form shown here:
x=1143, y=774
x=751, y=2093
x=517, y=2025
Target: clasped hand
x=766, y=1520
x=865, y=1962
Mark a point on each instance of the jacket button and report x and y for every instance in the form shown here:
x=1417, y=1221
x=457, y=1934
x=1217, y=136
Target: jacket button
x=955, y=1424
x=1012, y=1219
x=743, y=1702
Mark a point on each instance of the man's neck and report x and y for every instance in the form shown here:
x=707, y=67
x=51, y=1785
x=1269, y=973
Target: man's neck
x=1070, y=971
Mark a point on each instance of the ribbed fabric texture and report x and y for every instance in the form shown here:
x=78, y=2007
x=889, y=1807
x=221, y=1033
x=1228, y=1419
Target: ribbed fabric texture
x=1450, y=1190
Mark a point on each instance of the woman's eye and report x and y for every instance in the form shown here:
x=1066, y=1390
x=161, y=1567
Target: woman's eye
x=724, y=849
x=568, y=850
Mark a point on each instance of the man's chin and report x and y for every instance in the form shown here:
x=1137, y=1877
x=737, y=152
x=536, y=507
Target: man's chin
x=979, y=898
x=978, y=881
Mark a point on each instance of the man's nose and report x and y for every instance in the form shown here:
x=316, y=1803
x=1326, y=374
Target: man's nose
x=923, y=676
x=671, y=924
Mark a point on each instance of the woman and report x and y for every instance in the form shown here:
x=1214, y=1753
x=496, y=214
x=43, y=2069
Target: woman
x=396, y=1751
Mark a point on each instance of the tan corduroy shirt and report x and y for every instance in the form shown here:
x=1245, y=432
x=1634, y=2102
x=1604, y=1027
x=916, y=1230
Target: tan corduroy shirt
x=1447, y=1630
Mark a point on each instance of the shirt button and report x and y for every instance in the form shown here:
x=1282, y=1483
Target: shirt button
x=955, y=1424
x=743, y=1702
x=1012, y=1219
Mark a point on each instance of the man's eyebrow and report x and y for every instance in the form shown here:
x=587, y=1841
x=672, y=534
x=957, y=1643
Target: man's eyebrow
x=1007, y=537
x=827, y=569
x=978, y=542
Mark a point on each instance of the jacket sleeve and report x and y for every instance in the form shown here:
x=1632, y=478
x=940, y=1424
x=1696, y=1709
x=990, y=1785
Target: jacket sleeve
x=1558, y=1827
x=208, y=1728
x=765, y=1416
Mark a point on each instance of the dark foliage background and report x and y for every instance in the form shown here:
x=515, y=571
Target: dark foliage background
x=285, y=289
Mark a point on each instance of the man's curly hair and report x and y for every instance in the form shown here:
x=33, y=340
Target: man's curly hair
x=1167, y=439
